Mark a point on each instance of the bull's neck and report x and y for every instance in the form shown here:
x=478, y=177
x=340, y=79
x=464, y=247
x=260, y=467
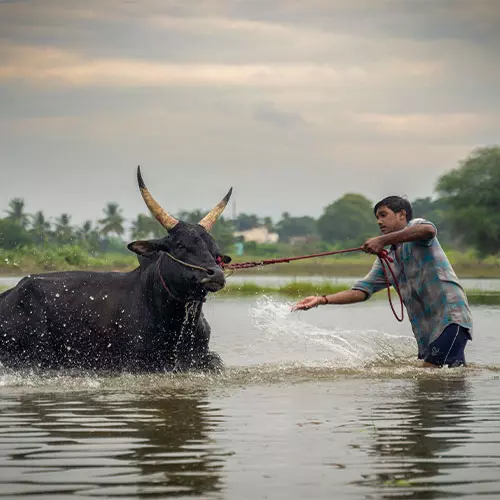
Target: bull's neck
x=163, y=297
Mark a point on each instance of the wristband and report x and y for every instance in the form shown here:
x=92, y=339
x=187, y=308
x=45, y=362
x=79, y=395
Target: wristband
x=326, y=300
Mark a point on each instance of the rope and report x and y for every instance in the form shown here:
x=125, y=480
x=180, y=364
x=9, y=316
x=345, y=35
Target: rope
x=385, y=260
x=247, y=265
x=187, y=264
x=384, y=257
x=162, y=281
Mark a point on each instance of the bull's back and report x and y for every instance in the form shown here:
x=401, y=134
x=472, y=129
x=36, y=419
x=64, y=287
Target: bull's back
x=66, y=319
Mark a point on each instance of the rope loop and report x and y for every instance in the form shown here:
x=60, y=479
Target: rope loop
x=385, y=260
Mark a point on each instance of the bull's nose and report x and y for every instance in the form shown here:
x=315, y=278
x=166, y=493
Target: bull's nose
x=215, y=275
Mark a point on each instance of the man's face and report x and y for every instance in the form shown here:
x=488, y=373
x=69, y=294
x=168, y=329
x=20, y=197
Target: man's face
x=389, y=221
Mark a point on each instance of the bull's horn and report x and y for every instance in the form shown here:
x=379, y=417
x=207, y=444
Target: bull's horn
x=209, y=220
x=162, y=216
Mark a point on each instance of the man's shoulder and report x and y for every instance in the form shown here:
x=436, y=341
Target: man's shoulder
x=420, y=220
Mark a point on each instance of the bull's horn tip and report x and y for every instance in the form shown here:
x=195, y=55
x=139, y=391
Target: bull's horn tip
x=139, y=178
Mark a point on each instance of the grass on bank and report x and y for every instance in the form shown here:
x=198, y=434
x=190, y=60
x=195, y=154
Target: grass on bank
x=302, y=289
x=19, y=262
x=466, y=265
x=22, y=261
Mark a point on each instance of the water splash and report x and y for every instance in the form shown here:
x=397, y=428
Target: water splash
x=184, y=348
x=343, y=348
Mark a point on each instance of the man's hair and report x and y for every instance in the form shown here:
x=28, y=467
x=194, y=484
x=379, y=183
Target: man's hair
x=396, y=204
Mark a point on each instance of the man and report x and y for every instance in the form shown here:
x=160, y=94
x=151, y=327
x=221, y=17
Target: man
x=434, y=299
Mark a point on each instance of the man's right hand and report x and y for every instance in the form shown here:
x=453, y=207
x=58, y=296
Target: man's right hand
x=308, y=303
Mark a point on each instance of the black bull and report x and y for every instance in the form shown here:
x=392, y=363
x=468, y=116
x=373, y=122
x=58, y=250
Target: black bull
x=149, y=319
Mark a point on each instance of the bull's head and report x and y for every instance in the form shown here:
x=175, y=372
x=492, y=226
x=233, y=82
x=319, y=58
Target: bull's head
x=188, y=259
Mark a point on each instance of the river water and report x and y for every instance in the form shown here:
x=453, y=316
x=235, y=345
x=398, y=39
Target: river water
x=323, y=404
x=484, y=284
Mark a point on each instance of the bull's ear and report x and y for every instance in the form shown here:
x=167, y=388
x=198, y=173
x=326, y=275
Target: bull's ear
x=142, y=247
x=225, y=259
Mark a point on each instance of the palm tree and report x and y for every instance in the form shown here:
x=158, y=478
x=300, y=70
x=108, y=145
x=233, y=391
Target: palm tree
x=191, y=217
x=268, y=222
x=112, y=222
x=64, y=231
x=88, y=236
x=16, y=212
x=145, y=226
x=40, y=228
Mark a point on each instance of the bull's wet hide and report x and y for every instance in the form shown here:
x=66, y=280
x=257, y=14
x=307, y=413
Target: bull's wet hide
x=145, y=320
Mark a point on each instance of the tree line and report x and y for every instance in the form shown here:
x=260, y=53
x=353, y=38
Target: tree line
x=465, y=208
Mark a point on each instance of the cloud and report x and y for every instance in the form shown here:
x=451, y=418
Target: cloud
x=204, y=91
x=53, y=66
x=423, y=125
x=268, y=113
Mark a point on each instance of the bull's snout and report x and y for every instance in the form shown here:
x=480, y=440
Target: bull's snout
x=215, y=280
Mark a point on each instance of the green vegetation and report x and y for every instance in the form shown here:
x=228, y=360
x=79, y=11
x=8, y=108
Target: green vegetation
x=465, y=212
x=294, y=289
x=25, y=260
x=298, y=290
x=466, y=264
x=471, y=191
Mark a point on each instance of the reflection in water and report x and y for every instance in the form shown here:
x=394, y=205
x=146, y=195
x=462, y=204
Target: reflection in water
x=108, y=445
x=414, y=434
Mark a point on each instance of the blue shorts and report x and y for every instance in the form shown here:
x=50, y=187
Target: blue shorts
x=448, y=348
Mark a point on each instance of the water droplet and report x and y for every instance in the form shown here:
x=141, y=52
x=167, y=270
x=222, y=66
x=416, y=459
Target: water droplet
x=57, y=295
x=91, y=298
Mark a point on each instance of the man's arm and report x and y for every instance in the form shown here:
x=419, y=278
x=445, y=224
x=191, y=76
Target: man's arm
x=412, y=233
x=344, y=297
x=362, y=290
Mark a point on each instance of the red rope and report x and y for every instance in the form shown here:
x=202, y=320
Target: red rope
x=385, y=260
x=384, y=257
x=247, y=265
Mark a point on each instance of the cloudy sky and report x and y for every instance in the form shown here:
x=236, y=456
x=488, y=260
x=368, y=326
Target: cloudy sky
x=291, y=102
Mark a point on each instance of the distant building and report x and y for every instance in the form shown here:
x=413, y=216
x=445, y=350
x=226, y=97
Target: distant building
x=258, y=234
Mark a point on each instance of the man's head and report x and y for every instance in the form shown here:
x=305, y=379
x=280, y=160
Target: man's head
x=393, y=213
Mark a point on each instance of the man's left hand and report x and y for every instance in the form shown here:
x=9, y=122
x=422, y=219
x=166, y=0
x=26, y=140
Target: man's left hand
x=374, y=245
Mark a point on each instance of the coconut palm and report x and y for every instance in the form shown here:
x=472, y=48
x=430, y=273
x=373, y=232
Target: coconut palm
x=88, y=235
x=16, y=212
x=40, y=228
x=112, y=222
x=145, y=226
x=64, y=232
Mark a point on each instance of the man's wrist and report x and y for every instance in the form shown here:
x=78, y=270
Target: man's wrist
x=324, y=300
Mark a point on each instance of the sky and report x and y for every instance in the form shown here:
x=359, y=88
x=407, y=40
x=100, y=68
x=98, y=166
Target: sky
x=293, y=103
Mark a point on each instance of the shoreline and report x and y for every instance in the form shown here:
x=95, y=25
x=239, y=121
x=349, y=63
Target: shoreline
x=301, y=289
x=325, y=269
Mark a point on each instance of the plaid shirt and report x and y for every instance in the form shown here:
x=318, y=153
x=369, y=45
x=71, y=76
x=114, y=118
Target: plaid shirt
x=429, y=287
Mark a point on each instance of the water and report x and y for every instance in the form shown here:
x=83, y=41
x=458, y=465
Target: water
x=323, y=404
x=484, y=284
